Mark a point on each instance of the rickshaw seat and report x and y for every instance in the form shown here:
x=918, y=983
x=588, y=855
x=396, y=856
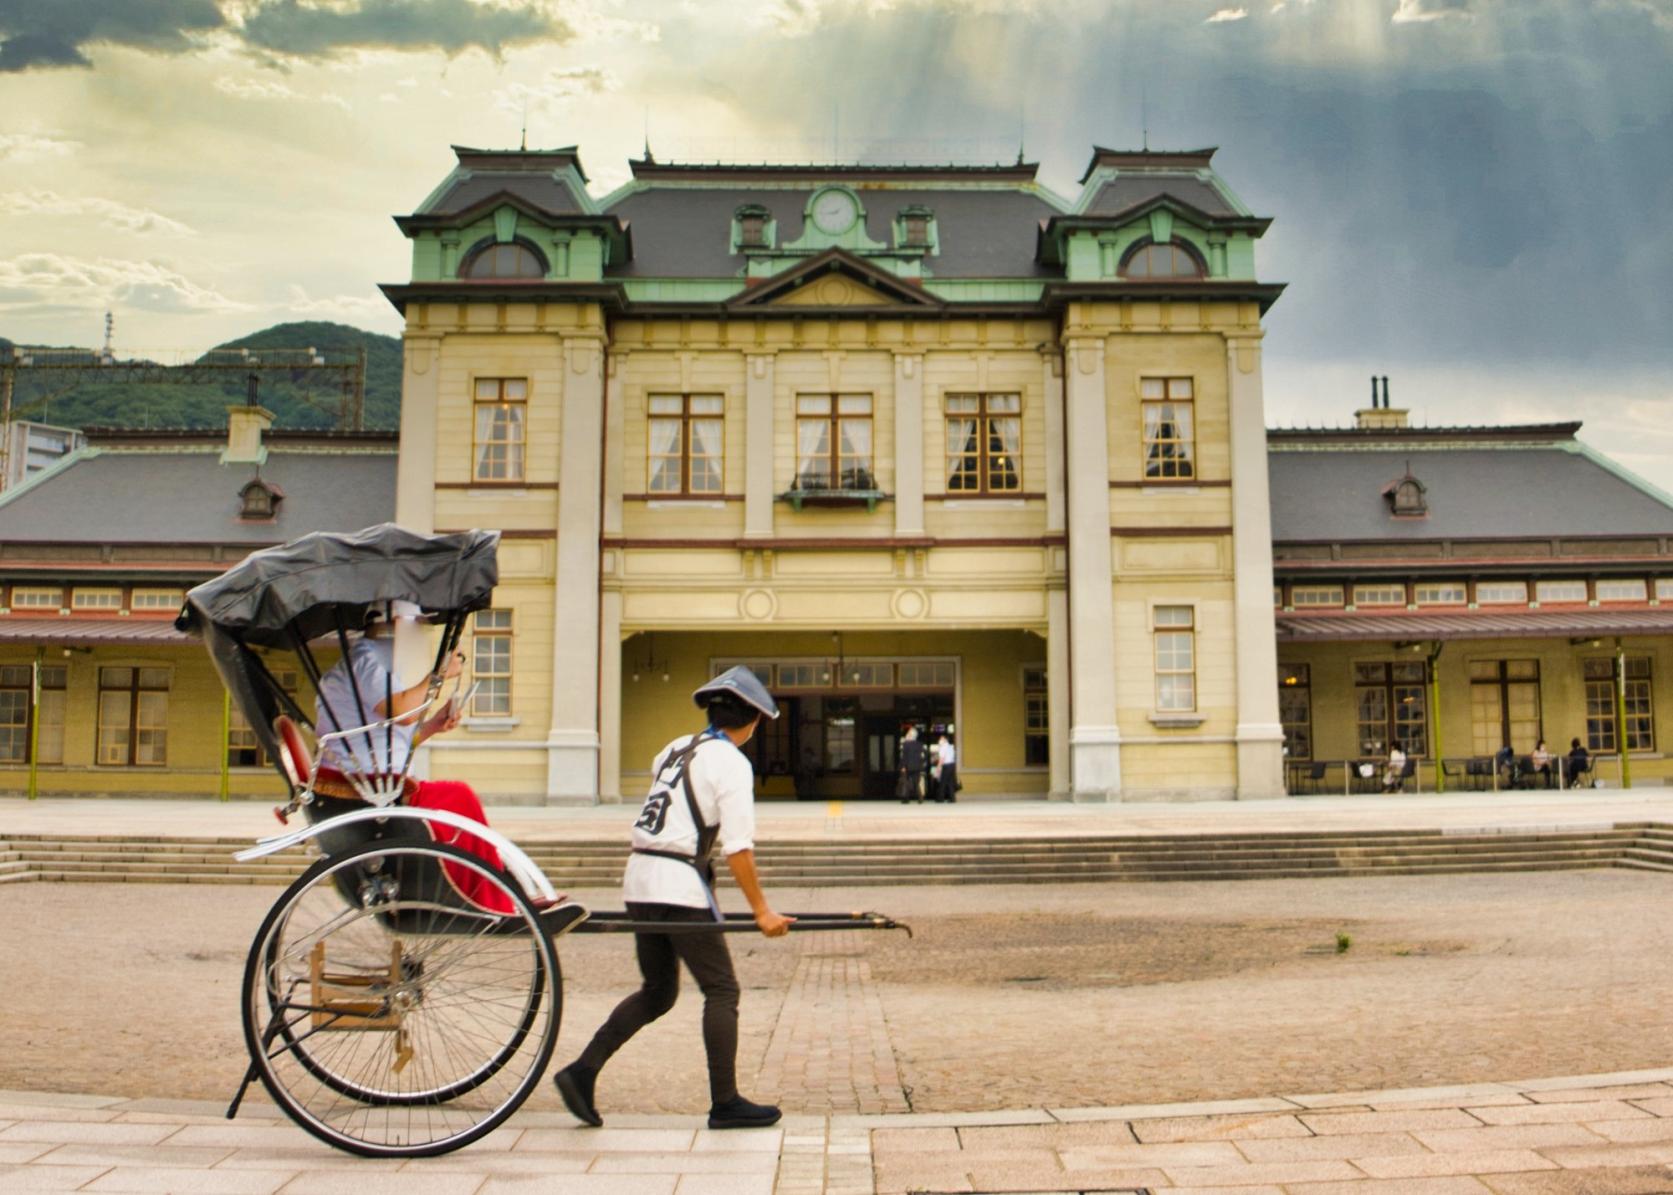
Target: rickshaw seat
x=298, y=763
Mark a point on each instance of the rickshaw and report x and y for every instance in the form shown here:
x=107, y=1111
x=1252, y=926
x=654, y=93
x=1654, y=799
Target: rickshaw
x=402, y=997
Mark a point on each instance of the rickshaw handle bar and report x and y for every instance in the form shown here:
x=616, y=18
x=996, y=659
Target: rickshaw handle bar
x=521, y=868
x=736, y=923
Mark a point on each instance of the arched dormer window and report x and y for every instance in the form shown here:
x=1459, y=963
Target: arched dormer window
x=1175, y=259
x=511, y=259
x=1406, y=497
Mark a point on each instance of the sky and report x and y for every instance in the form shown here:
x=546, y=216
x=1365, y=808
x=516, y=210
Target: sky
x=1472, y=197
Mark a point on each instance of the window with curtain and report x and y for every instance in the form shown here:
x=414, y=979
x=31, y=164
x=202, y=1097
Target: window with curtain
x=687, y=443
x=834, y=442
x=133, y=717
x=984, y=443
x=491, y=664
x=1176, y=658
x=1169, y=417
x=501, y=429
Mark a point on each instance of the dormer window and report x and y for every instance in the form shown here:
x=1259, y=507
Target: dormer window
x=752, y=227
x=1406, y=498
x=512, y=259
x=1148, y=260
x=259, y=500
x=915, y=227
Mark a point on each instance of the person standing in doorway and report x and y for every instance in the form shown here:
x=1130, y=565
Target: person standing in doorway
x=702, y=794
x=911, y=781
x=946, y=758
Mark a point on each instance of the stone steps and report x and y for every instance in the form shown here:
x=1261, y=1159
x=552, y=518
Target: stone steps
x=861, y=863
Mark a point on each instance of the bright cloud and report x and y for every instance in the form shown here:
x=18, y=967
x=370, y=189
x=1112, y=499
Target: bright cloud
x=27, y=147
x=558, y=85
x=109, y=212
x=274, y=89
x=35, y=280
x=1227, y=14
x=358, y=309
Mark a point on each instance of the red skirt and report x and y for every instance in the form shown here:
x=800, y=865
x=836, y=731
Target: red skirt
x=455, y=796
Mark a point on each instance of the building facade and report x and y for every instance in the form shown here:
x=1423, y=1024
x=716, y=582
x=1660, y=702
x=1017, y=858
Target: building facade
x=924, y=445
x=1459, y=590
x=99, y=694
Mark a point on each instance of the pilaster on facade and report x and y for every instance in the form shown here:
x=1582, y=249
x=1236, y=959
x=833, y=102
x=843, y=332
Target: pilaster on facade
x=415, y=484
x=1094, y=739
x=909, y=444
x=573, y=741
x=1051, y=385
x=615, y=433
x=1260, y=735
x=759, y=379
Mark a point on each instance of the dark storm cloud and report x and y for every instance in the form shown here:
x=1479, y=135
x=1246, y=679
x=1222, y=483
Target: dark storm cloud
x=57, y=33
x=294, y=28
x=52, y=33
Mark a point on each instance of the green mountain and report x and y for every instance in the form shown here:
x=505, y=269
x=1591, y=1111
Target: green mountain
x=297, y=398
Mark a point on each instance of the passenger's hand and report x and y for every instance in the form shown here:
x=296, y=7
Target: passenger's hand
x=772, y=925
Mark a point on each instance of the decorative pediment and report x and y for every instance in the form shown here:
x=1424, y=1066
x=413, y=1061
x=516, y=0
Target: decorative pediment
x=835, y=279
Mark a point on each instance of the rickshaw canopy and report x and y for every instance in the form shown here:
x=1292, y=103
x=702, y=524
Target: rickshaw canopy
x=321, y=584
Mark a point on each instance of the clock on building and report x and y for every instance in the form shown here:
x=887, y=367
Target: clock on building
x=834, y=211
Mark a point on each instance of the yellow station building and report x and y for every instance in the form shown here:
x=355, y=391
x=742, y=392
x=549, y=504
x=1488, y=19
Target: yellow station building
x=927, y=446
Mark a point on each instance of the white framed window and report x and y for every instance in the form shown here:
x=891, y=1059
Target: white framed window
x=84, y=598
x=1623, y=589
x=1174, y=628
x=133, y=717
x=1168, y=429
x=867, y=674
x=1315, y=595
x=1501, y=593
x=491, y=664
x=1385, y=594
x=156, y=599
x=1560, y=591
x=834, y=442
x=984, y=443
x=1664, y=588
x=807, y=674
x=1036, y=743
x=36, y=597
x=1442, y=593
x=925, y=674
x=686, y=451
x=500, y=429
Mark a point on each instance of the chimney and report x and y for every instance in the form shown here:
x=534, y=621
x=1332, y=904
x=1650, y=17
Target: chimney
x=1379, y=416
x=245, y=426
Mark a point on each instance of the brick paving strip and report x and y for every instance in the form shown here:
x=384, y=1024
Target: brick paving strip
x=1588, y=1135
x=831, y=1044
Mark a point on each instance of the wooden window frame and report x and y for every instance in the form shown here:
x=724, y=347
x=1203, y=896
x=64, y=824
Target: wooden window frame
x=1521, y=601
x=1540, y=597
x=79, y=591
x=834, y=418
x=138, y=599
x=1036, y=716
x=56, y=604
x=1502, y=679
x=1296, y=679
x=1392, y=687
x=1171, y=630
x=1640, y=581
x=239, y=725
x=520, y=443
x=133, y=689
x=1600, y=726
x=986, y=417
x=1463, y=598
x=685, y=418
x=1296, y=603
x=1370, y=586
x=1185, y=464
x=1145, y=244
x=482, y=249
x=499, y=631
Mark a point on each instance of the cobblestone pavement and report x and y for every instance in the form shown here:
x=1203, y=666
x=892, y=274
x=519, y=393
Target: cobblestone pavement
x=1590, y=1135
x=1082, y=995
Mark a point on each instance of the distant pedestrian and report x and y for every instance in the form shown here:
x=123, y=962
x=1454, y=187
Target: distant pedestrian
x=946, y=759
x=910, y=783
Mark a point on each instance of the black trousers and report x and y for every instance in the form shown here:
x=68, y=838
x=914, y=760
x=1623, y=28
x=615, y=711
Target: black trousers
x=710, y=964
x=947, y=788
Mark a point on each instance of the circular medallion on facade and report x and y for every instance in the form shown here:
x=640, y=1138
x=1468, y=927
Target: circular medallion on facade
x=758, y=604
x=910, y=603
x=832, y=292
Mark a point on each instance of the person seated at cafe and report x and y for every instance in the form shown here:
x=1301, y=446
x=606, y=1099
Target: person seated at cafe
x=1504, y=763
x=1394, y=772
x=1540, y=762
x=1579, y=763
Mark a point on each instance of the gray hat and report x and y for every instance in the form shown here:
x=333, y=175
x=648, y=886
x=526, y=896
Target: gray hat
x=741, y=684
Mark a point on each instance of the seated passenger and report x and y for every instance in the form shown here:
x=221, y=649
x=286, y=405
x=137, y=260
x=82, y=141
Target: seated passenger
x=381, y=696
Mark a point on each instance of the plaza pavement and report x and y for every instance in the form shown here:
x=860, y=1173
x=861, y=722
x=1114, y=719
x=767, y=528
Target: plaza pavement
x=972, y=819
x=1586, y=1135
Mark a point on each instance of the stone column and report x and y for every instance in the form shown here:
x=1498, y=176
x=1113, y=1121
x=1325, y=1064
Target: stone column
x=1057, y=690
x=572, y=745
x=614, y=437
x=1094, y=740
x=1051, y=377
x=610, y=695
x=758, y=445
x=909, y=444
x=415, y=467
x=1260, y=735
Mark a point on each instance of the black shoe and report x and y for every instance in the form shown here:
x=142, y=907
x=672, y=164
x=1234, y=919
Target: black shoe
x=575, y=1084
x=739, y=1113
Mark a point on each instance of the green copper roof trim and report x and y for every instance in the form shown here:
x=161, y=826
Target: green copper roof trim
x=952, y=290
x=986, y=290
x=53, y=470
x=1581, y=448
x=681, y=290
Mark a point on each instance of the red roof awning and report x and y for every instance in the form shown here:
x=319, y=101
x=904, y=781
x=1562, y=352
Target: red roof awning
x=77, y=632
x=1322, y=625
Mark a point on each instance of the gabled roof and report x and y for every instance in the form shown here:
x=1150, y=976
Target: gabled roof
x=1166, y=159
x=650, y=168
x=190, y=497
x=836, y=261
x=550, y=180
x=1474, y=490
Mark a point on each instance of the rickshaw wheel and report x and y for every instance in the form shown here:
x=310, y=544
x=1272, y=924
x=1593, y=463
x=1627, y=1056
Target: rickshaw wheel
x=410, y=1023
